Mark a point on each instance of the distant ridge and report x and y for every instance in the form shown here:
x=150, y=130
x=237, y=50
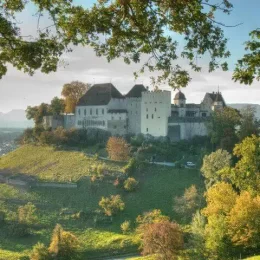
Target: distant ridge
x=241, y=106
x=15, y=119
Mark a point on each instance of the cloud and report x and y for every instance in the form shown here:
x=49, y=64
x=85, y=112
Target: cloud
x=18, y=90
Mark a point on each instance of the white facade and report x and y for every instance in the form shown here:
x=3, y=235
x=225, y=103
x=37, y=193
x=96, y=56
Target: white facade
x=155, y=111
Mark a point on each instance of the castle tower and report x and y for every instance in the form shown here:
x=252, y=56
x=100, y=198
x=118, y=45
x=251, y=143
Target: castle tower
x=218, y=102
x=180, y=99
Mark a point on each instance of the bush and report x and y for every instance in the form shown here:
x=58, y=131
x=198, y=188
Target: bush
x=125, y=227
x=131, y=167
x=130, y=184
x=27, y=214
x=112, y=205
x=118, y=149
x=40, y=252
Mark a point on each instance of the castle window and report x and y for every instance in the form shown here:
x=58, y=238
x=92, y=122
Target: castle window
x=155, y=109
x=204, y=114
x=115, y=127
x=147, y=116
x=152, y=116
x=79, y=111
x=147, y=130
x=85, y=112
x=146, y=109
x=103, y=111
x=120, y=118
x=124, y=126
x=97, y=111
x=103, y=123
x=91, y=111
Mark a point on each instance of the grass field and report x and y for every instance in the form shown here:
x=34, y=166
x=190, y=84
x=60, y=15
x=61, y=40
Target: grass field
x=157, y=187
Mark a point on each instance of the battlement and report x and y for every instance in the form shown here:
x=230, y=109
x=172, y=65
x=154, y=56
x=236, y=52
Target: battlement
x=156, y=95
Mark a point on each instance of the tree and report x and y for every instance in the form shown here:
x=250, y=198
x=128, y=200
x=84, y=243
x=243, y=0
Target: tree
x=118, y=149
x=222, y=128
x=40, y=252
x=27, y=214
x=117, y=22
x=249, y=124
x=187, y=204
x=220, y=199
x=212, y=164
x=245, y=175
x=72, y=92
x=38, y=112
x=163, y=238
x=243, y=221
x=125, y=227
x=57, y=106
x=248, y=68
x=64, y=245
x=112, y=205
x=130, y=184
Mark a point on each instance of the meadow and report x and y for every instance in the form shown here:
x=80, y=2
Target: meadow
x=157, y=187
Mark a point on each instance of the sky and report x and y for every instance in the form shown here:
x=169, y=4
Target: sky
x=18, y=90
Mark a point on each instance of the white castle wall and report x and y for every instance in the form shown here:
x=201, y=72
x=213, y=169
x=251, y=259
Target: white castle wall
x=155, y=110
x=96, y=115
x=191, y=129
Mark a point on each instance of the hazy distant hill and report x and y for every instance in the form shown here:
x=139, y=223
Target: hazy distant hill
x=14, y=119
x=240, y=106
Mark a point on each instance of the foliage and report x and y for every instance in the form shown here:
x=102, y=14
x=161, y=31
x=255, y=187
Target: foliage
x=245, y=175
x=57, y=106
x=27, y=214
x=248, y=68
x=40, y=252
x=212, y=164
x=117, y=22
x=187, y=204
x=249, y=123
x=72, y=92
x=163, y=238
x=130, y=184
x=222, y=128
x=125, y=227
x=118, y=149
x=64, y=245
x=112, y=205
x=131, y=166
x=243, y=221
x=17, y=230
x=153, y=216
x=38, y=112
x=197, y=239
x=220, y=199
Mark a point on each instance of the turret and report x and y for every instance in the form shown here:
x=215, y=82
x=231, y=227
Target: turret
x=180, y=99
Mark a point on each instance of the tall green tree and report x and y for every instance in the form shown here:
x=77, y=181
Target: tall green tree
x=57, y=106
x=131, y=28
x=249, y=123
x=222, y=128
x=38, y=112
x=72, y=92
x=245, y=175
x=212, y=164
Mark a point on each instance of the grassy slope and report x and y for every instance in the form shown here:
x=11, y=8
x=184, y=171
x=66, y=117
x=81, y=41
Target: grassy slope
x=158, y=185
x=50, y=164
x=254, y=258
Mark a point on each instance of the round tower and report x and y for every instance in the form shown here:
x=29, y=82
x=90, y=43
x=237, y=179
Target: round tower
x=180, y=99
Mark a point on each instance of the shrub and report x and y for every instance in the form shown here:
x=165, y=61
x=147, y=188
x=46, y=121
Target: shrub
x=40, y=252
x=151, y=217
x=130, y=184
x=131, y=166
x=125, y=227
x=118, y=149
x=27, y=214
x=112, y=205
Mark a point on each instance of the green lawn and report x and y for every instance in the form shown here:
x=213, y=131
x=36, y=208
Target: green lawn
x=157, y=187
x=254, y=258
x=50, y=164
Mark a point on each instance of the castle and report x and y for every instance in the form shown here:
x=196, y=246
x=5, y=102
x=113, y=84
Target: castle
x=140, y=111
